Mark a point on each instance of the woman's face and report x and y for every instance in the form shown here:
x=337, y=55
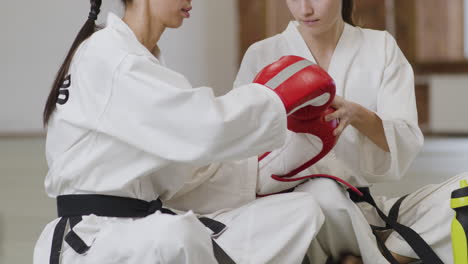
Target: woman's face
x=316, y=16
x=171, y=13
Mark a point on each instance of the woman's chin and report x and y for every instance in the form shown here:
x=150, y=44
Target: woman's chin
x=313, y=30
x=176, y=24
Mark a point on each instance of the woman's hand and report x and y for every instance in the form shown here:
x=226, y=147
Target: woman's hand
x=365, y=121
x=346, y=113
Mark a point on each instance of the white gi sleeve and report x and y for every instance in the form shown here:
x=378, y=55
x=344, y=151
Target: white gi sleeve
x=155, y=109
x=396, y=106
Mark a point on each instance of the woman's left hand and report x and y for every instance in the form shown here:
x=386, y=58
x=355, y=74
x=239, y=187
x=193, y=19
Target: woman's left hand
x=346, y=113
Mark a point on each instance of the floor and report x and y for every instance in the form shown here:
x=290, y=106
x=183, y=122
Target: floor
x=25, y=208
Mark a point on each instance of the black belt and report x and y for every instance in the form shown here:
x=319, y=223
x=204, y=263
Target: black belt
x=72, y=207
x=415, y=241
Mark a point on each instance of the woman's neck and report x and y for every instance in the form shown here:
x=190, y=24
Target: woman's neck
x=323, y=45
x=147, y=30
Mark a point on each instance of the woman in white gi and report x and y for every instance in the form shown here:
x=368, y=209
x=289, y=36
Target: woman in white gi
x=121, y=124
x=378, y=133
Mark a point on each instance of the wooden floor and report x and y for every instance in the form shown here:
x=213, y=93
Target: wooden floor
x=25, y=209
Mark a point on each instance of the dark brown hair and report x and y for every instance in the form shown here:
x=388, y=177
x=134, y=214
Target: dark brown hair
x=85, y=32
x=347, y=11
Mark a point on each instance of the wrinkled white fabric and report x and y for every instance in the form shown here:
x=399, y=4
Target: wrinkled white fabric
x=132, y=127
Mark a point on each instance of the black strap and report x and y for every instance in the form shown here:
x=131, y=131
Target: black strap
x=306, y=260
x=57, y=241
x=221, y=256
x=385, y=252
x=71, y=208
x=72, y=239
x=415, y=241
x=395, y=210
x=215, y=226
x=105, y=205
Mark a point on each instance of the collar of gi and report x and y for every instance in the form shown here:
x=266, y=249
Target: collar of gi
x=116, y=23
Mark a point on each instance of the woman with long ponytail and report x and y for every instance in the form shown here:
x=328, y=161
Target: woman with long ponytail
x=126, y=134
x=85, y=32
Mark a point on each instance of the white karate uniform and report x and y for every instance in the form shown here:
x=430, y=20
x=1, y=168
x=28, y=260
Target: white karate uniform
x=369, y=69
x=131, y=127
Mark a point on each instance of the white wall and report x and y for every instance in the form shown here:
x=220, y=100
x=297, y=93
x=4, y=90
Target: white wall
x=448, y=111
x=36, y=35
x=206, y=48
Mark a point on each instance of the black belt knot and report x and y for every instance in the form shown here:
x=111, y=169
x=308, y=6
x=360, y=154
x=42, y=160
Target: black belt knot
x=154, y=206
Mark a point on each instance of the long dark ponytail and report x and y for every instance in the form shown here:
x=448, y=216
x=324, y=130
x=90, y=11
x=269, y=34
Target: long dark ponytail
x=347, y=11
x=86, y=31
